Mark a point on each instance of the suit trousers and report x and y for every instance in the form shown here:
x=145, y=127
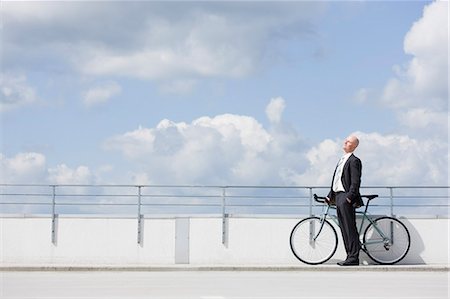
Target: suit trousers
x=347, y=221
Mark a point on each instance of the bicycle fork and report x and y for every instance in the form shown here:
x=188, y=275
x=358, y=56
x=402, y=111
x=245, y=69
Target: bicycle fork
x=312, y=236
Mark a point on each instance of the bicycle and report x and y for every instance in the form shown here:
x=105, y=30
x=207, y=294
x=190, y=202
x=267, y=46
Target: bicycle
x=313, y=240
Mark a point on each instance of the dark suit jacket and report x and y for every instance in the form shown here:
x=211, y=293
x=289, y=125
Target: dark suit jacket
x=351, y=180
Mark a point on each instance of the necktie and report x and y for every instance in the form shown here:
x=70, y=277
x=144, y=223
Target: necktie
x=338, y=174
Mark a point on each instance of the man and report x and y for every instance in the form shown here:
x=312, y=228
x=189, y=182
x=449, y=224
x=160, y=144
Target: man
x=345, y=193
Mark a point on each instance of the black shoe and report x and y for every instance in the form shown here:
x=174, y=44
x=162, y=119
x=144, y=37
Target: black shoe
x=349, y=263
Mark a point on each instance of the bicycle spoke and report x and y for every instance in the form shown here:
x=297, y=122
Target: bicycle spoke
x=313, y=251
x=374, y=242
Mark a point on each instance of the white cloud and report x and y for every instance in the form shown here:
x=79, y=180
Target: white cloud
x=403, y=160
x=203, y=48
x=419, y=91
x=321, y=159
x=225, y=149
x=141, y=178
x=32, y=168
x=418, y=118
x=362, y=96
x=15, y=92
x=274, y=110
x=101, y=94
x=234, y=149
x=62, y=174
x=23, y=168
x=133, y=144
x=387, y=160
x=427, y=41
x=167, y=42
x=252, y=136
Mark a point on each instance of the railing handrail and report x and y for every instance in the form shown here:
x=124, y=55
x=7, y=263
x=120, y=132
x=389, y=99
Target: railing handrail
x=222, y=186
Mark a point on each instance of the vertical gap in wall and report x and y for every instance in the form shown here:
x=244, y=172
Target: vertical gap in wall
x=182, y=240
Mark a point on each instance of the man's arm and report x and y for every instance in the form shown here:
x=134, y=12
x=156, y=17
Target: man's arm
x=355, y=179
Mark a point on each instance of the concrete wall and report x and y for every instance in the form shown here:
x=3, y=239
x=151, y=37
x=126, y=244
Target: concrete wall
x=198, y=241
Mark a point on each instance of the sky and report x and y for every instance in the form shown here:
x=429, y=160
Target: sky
x=223, y=93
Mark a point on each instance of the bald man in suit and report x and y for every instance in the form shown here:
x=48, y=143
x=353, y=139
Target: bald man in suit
x=345, y=193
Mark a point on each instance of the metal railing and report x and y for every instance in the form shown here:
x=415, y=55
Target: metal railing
x=172, y=201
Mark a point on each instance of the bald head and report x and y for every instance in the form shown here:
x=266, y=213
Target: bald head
x=350, y=144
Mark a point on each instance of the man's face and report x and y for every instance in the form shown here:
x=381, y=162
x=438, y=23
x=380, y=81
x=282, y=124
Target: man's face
x=350, y=144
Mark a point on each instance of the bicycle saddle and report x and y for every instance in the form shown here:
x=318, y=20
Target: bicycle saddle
x=370, y=197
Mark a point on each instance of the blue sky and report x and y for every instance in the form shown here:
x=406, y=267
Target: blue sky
x=223, y=92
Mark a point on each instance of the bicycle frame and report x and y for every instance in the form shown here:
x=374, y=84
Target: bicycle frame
x=365, y=215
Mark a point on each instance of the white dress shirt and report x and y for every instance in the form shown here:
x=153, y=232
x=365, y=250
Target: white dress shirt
x=337, y=182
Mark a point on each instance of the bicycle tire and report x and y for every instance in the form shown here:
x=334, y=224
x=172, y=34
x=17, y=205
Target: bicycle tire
x=386, y=252
x=313, y=252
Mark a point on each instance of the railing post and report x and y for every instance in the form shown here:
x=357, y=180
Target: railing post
x=54, y=214
x=391, y=227
x=139, y=217
x=391, y=196
x=311, y=201
x=224, y=217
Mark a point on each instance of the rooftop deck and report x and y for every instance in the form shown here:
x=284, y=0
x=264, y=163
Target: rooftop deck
x=226, y=284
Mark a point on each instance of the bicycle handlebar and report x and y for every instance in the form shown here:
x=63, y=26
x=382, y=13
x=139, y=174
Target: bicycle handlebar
x=317, y=198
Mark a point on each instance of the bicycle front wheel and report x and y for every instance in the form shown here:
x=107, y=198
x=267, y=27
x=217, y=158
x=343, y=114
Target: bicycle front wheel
x=386, y=240
x=313, y=243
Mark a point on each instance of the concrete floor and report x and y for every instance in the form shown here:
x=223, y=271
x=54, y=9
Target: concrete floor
x=225, y=284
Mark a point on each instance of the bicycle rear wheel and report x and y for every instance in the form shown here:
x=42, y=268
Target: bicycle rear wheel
x=311, y=244
x=388, y=241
